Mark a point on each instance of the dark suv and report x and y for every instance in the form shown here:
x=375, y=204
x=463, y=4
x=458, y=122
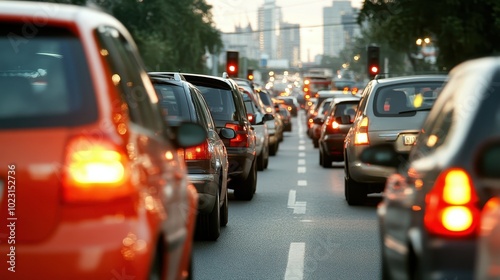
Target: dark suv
x=207, y=163
x=228, y=110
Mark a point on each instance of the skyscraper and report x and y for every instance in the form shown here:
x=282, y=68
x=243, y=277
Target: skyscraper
x=290, y=43
x=333, y=31
x=268, y=24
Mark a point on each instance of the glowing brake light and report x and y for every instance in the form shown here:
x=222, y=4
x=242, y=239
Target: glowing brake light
x=335, y=125
x=95, y=169
x=198, y=152
x=241, y=139
x=361, y=136
x=452, y=208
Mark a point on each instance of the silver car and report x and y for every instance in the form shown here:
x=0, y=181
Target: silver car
x=391, y=110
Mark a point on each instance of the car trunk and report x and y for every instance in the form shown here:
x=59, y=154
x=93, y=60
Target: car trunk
x=30, y=168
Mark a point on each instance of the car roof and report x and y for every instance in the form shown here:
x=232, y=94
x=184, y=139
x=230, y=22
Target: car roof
x=210, y=81
x=412, y=78
x=85, y=17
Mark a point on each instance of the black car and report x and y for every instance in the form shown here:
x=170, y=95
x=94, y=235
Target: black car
x=292, y=103
x=334, y=128
x=228, y=111
x=429, y=218
x=207, y=163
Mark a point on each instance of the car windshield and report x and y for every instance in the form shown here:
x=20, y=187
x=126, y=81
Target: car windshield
x=396, y=100
x=44, y=83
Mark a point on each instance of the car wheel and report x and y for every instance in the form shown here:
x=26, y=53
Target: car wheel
x=315, y=143
x=246, y=188
x=208, y=224
x=320, y=158
x=260, y=161
x=352, y=189
x=266, y=161
x=273, y=149
x=224, y=213
x=326, y=162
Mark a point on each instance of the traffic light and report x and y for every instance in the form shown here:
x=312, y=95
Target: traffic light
x=373, y=61
x=232, y=59
x=250, y=74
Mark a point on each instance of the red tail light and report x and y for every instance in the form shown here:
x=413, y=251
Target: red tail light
x=198, y=152
x=361, y=136
x=95, y=170
x=331, y=124
x=241, y=139
x=452, y=205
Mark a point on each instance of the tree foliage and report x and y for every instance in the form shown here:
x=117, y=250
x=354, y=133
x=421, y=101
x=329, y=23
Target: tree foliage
x=171, y=35
x=461, y=30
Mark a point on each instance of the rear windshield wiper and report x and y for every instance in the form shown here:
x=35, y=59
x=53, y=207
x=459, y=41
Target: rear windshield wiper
x=416, y=110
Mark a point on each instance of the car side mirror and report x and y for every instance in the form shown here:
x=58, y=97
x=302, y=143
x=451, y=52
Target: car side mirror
x=189, y=134
x=319, y=121
x=488, y=161
x=227, y=133
x=267, y=117
x=383, y=155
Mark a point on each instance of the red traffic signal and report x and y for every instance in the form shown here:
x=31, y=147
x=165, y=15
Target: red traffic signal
x=232, y=60
x=373, y=61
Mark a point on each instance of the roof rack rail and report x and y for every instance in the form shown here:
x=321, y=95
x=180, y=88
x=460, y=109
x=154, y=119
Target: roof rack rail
x=176, y=76
x=225, y=75
x=391, y=75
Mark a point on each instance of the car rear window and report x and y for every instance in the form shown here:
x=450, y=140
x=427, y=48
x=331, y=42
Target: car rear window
x=405, y=99
x=220, y=102
x=172, y=100
x=44, y=79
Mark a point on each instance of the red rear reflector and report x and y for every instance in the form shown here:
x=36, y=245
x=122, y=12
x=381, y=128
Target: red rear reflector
x=94, y=169
x=452, y=208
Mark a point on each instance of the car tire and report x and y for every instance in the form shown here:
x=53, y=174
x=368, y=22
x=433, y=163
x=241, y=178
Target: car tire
x=320, y=158
x=208, y=224
x=315, y=143
x=261, y=161
x=273, y=149
x=246, y=188
x=326, y=161
x=353, y=191
x=224, y=212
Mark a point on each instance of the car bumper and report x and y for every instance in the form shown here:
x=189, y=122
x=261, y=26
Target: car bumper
x=207, y=186
x=110, y=247
x=366, y=173
x=333, y=145
x=240, y=162
x=96, y=249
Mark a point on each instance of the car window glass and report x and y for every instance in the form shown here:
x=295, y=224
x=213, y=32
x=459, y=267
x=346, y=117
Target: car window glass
x=172, y=100
x=126, y=76
x=220, y=102
x=394, y=99
x=46, y=82
x=201, y=109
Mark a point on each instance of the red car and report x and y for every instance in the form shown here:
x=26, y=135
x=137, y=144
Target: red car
x=91, y=185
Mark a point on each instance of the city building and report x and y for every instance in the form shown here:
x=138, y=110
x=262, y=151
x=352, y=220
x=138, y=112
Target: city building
x=335, y=19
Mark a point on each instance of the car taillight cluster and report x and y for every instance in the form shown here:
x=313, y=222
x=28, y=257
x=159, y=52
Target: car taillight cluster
x=95, y=169
x=452, y=205
x=332, y=125
x=361, y=136
x=241, y=139
x=198, y=152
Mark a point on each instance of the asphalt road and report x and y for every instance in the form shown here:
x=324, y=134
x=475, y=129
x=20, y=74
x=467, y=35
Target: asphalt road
x=298, y=225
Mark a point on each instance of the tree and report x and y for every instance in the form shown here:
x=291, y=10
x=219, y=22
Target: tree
x=461, y=30
x=171, y=35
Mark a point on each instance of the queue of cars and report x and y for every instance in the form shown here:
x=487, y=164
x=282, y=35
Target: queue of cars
x=133, y=165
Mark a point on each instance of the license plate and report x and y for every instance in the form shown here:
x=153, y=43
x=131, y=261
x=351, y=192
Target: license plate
x=409, y=140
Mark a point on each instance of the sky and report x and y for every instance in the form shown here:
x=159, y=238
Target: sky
x=307, y=13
